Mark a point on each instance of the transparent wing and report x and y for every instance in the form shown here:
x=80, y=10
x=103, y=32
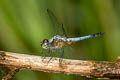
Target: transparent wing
x=59, y=28
x=64, y=33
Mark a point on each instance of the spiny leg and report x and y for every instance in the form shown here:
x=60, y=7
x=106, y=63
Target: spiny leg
x=51, y=54
x=46, y=54
x=42, y=52
x=62, y=53
x=51, y=51
x=61, y=56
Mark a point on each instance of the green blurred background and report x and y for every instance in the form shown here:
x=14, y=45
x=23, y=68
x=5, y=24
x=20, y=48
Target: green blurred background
x=25, y=23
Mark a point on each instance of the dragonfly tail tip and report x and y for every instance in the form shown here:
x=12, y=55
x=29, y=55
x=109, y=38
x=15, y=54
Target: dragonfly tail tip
x=98, y=34
x=101, y=33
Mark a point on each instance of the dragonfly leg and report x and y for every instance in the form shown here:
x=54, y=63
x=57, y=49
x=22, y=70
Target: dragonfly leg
x=50, y=59
x=62, y=53
x=42, y=51
x=46, y=54
x=51, y=51
x=51, y=54
x=64, y=33
x=61, y=56
x=44, y=57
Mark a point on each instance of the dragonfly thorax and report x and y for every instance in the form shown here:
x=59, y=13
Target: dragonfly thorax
x=57, y=41
x=57, y=37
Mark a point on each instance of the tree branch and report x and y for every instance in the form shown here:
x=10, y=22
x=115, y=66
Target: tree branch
x=96, y=69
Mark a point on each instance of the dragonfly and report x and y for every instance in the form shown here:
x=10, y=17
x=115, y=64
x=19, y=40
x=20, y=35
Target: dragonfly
x=58, y=42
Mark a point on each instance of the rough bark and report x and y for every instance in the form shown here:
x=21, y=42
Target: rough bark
x=89, y=68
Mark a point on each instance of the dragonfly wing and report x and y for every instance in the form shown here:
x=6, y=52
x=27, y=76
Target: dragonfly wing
x=64, y=31
x=59, y=28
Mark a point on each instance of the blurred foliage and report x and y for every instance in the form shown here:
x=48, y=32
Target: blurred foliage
x=25, y=23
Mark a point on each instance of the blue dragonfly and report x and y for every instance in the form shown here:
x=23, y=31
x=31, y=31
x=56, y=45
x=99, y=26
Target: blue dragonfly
x=58, y=42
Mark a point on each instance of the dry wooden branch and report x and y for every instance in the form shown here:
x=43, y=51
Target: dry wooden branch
x=96, y=69
x=11, y=72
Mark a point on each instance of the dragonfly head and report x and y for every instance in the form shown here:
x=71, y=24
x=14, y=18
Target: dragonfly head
x=45, y=44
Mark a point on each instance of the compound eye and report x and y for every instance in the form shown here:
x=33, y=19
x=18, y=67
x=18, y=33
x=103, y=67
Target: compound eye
x=45, y=41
